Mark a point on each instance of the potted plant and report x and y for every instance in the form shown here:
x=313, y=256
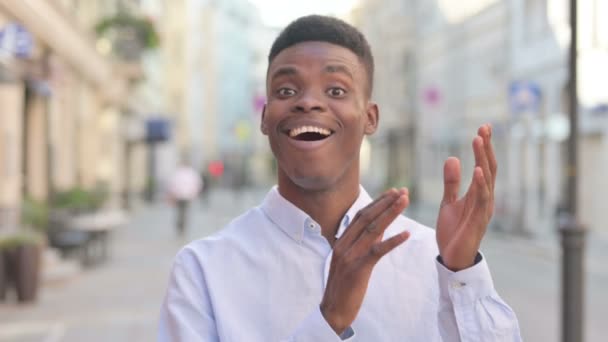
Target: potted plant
x=128, y=35
x=22, y=252
x=34, y=214
x=64, y=207
x=73, y=219
x=76, y=201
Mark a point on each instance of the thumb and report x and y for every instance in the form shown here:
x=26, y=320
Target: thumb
x=451, y=180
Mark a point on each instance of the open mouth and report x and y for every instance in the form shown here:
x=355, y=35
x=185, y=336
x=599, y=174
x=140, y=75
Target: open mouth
x=309, y=133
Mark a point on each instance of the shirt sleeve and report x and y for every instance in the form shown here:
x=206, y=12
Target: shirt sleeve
x=471, y=310
x=186, y=313
x=316, y=328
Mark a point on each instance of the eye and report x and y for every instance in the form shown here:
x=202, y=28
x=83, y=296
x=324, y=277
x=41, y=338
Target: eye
x=286, y=92
x=336, y=92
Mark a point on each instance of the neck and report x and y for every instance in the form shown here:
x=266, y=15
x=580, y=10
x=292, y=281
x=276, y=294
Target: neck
x=326, y=206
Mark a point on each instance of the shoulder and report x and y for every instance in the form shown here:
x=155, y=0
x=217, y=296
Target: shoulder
x=238, y=235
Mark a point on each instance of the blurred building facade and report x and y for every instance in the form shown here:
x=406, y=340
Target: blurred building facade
x=392, y=148
x=63, y=103
x=262, y=165
x=210, y=58
x=465, y=63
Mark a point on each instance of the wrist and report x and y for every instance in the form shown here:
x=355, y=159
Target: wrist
x=459, y=264
x=334, y=322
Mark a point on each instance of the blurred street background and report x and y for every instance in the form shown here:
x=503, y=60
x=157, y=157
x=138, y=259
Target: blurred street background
x=100, y=100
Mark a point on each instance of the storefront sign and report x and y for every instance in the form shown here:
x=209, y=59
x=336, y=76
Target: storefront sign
x=158, y=130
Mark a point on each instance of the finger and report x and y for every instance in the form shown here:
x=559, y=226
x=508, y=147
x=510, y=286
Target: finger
x=473, y=189
x=489, y=147
x=451, y=180
x=375, y=230
x=486, y=198
x=476, y=199
x=482, y=210
x=481, y=160
x=380, y=249
x=482, y=192
x=367, y=215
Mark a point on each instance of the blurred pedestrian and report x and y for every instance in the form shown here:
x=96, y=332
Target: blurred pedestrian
x=184, y=185
x=299, y=266
x=204, y=193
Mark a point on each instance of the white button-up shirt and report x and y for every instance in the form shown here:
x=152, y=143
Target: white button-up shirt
x=263, y=276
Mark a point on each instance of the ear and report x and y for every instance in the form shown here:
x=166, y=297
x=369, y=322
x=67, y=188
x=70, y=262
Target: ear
x=263, y=126
x=373, y=117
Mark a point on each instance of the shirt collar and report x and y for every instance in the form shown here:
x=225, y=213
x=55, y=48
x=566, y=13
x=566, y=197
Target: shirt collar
x=292, y=220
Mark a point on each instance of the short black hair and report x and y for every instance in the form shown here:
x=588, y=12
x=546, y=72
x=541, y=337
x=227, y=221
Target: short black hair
x=326, y=29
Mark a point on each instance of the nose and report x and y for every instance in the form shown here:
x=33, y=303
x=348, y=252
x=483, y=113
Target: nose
x=309, y=101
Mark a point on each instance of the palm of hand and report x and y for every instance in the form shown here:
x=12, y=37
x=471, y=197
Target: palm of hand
x=462, y=222
x=459, y=232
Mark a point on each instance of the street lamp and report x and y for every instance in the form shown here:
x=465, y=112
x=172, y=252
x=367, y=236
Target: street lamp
x=572, y=232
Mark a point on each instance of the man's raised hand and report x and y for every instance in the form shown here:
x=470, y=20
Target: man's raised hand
x=462, y=222
x=356, y=253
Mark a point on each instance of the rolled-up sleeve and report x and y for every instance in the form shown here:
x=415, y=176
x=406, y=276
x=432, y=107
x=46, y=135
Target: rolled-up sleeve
x=470, y=308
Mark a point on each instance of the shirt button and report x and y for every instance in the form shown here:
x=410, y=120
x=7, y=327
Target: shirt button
x=313, y=228
x=457, y=285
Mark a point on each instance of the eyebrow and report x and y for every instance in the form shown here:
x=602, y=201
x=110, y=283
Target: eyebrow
x=332, y=68
x=338, y=69
x=284, y=71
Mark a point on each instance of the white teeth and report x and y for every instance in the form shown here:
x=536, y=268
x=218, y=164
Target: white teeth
x=309, y=129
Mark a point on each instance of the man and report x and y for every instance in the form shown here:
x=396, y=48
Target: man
x=318, y=260
x=184, y=185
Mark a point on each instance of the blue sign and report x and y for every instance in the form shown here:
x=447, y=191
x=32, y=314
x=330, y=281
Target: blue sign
x=16, y=40
x=524, y=96
x=158, y=130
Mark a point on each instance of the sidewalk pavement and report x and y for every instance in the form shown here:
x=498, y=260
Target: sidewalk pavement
x=120, y=299
x=116, y=301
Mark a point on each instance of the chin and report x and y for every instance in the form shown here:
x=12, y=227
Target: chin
x=318, y=177
x=315, y=183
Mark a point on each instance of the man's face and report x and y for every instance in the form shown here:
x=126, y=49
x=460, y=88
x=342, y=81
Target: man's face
x=317, y=113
